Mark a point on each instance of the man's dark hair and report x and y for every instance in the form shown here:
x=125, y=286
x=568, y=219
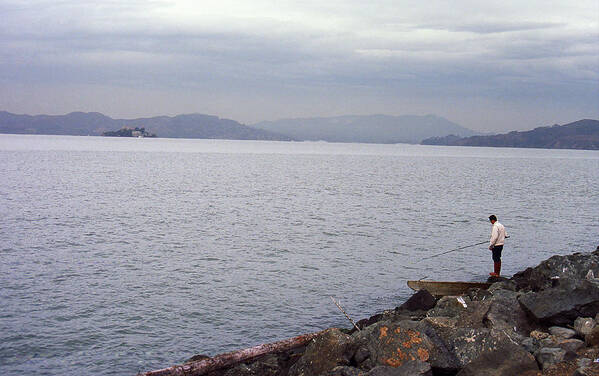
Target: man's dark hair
x=492, y=218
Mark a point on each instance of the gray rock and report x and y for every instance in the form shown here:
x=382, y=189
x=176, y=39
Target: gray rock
x=361, y=354
x=571, y=346
x=392, y=344
x=584, y=371
x=467, y=344
x=454, y=348
x=421, y=300
x=548, y=356
x=450, y=306
x=410, y=368
x=506, y=360
x=441, y=321
x=474, y=316
x=325, y=352
x=504, y=285
x=530, y=344
x=345, y=371
x=563, y=304
x=499, y=279
x=240, y=370
x=506, y=313
x=505, y=293
x=566, y=268
x=479, y=294
x=266, y=366
x=592, y=339
x=584, y=362
x=561, y=333
x=370, y=321
x=550, y=341
x=584, y=325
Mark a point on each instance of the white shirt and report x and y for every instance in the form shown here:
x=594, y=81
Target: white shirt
x=498, y=234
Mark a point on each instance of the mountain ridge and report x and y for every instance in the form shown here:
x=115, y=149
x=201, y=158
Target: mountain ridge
x=95, y=123
x=377, y=128
x=580, y=134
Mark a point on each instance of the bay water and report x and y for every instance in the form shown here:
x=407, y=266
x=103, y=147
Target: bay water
x=122, y=255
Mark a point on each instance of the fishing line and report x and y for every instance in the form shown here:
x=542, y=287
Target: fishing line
x=453, y=250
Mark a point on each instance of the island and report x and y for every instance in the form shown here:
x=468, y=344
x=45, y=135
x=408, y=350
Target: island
x=129, y=132
x=581, y=134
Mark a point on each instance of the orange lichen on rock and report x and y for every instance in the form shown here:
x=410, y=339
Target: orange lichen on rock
x=414, y=339
x=397, y=345
x=397, y=359
x=383, y=332
x=423, y=354
x=414, y=336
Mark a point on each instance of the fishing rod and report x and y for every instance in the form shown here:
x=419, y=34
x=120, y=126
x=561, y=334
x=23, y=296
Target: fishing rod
x=453, y=250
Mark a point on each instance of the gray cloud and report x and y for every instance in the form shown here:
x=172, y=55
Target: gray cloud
x=314, y=59
x=494, y=27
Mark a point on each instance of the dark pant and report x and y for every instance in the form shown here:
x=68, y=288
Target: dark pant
x=497, y=253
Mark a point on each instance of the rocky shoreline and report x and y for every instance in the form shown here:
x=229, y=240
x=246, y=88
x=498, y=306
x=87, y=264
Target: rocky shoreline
x=542, y=321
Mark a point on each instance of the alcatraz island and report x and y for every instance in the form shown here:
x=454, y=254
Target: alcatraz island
x=129, y=132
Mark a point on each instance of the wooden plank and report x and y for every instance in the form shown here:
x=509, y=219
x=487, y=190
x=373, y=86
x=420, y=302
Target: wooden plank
x=440, y=288
x=203, y=366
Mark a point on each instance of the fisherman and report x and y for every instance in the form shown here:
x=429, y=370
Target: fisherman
x=498, y=236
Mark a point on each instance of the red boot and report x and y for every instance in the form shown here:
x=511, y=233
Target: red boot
x=497, y=267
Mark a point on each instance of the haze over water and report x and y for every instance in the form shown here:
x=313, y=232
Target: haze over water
x=126, y=255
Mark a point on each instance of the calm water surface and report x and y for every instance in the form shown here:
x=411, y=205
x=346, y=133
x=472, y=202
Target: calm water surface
x=126, y=255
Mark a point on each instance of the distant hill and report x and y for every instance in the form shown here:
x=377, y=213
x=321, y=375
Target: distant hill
x=582, y=134
x=366, y=128
x=95, y=124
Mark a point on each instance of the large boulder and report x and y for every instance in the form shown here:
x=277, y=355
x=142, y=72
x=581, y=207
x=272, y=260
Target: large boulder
x=506, y=360
x=456, y=347
x=505, y=313
x=498, y=310
x=466, y=344
x=561, y=305
x=474, y=316
x=557, y=270
x=450, y=306
x=421, y=300
x=325, y=352
x=390, y=343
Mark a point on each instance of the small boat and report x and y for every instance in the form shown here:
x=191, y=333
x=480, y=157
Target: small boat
x=446, y=288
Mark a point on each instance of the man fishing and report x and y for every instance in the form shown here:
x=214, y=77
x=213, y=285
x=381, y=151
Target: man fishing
x=498, y=235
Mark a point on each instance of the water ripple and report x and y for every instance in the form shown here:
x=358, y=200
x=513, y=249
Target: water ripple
x=119, y=262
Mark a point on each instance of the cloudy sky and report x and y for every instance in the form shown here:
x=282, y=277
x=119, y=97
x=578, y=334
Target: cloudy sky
x=488, y=65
